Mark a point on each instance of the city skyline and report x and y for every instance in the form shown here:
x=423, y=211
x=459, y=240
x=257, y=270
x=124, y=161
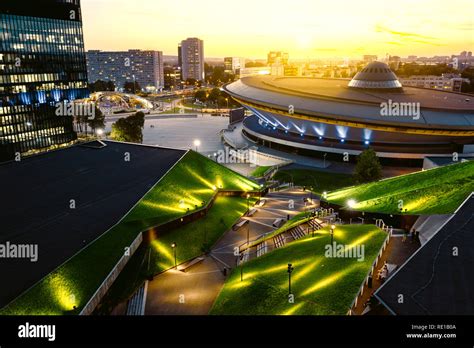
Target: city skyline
x=306, y=30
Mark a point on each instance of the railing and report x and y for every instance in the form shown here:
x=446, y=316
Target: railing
x=370, y=274
x=107, y=283
x=380, y=224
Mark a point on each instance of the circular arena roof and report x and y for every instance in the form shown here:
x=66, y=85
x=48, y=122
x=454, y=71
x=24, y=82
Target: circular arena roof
x=333, y=101
x=376, y=75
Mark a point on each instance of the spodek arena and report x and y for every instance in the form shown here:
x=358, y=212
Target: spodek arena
x=311, y=116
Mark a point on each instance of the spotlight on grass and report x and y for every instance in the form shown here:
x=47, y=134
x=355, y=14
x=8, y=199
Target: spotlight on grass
x=351, y=203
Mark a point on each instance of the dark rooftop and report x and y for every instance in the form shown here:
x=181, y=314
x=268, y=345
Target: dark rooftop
x=36, y=194
x=434, y=281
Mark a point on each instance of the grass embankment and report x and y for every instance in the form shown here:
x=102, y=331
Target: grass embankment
x=188, y=185
x=260, y=171
x=191, y=240
x=435, y=191
x=321, y=285
x=318, y=180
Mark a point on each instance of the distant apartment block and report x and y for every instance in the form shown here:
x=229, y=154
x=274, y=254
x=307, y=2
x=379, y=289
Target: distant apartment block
x=172, y=77
x=191, y=59
x=144, y=67
x=234, y=64
x=277, y=57
x=450, y=82
x=369, y=58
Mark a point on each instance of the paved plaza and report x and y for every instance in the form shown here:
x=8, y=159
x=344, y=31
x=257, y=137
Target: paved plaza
x=201, y=284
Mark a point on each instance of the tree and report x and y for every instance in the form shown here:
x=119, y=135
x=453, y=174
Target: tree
x=129, y=129
x=131, y=87
x=110, y=86
x=100, y=86
x=201, y=95
x=214, y=95
x=368, y=167
x=191, y=82
x=98, y=122
x=254, y=65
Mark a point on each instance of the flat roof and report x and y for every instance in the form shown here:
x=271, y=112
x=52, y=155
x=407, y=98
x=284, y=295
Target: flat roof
x=332, y=99
x=434, y=281
x=36, y=194
x=338, y=89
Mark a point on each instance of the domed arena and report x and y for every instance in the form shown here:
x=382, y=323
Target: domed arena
x=318, y=116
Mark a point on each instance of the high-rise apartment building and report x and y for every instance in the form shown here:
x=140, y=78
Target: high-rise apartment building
x=191, y=59
x=42, y=63
x=143, y=67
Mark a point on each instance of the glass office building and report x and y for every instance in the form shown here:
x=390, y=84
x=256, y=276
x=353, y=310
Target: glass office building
x=42, y=63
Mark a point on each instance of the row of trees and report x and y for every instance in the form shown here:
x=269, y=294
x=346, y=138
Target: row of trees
x=410, y=69
x=216, y=75
x=109, y=86
x=215, y=97
x=84, y=123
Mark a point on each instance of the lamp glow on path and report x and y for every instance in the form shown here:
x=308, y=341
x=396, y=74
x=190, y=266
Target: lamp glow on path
x=351, y=203
x=197, y=143
x=100, y=132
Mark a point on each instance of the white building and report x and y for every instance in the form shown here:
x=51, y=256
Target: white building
x=191, y=59
x=144, y=67
x=234, y=64
x=450, y=82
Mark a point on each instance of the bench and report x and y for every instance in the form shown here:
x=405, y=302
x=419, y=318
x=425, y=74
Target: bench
x=185, y=266
x=251, y=212
x=278, y=222
x=261, y=202
x=240, y=224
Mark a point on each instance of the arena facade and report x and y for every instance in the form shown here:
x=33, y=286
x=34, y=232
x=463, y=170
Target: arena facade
x=313, y=116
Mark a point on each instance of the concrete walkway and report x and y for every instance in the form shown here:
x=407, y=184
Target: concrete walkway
x=193, y=293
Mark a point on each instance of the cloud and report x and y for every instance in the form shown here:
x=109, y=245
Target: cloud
x=406, y=37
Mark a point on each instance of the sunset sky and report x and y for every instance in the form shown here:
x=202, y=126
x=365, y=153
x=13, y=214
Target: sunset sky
x=304, y=28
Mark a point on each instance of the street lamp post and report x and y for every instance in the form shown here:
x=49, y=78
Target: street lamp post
x=248, y=233
x=290, y=270
x=333, y=227
x=241, y=266
x=197, y=143
x=174, y=249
